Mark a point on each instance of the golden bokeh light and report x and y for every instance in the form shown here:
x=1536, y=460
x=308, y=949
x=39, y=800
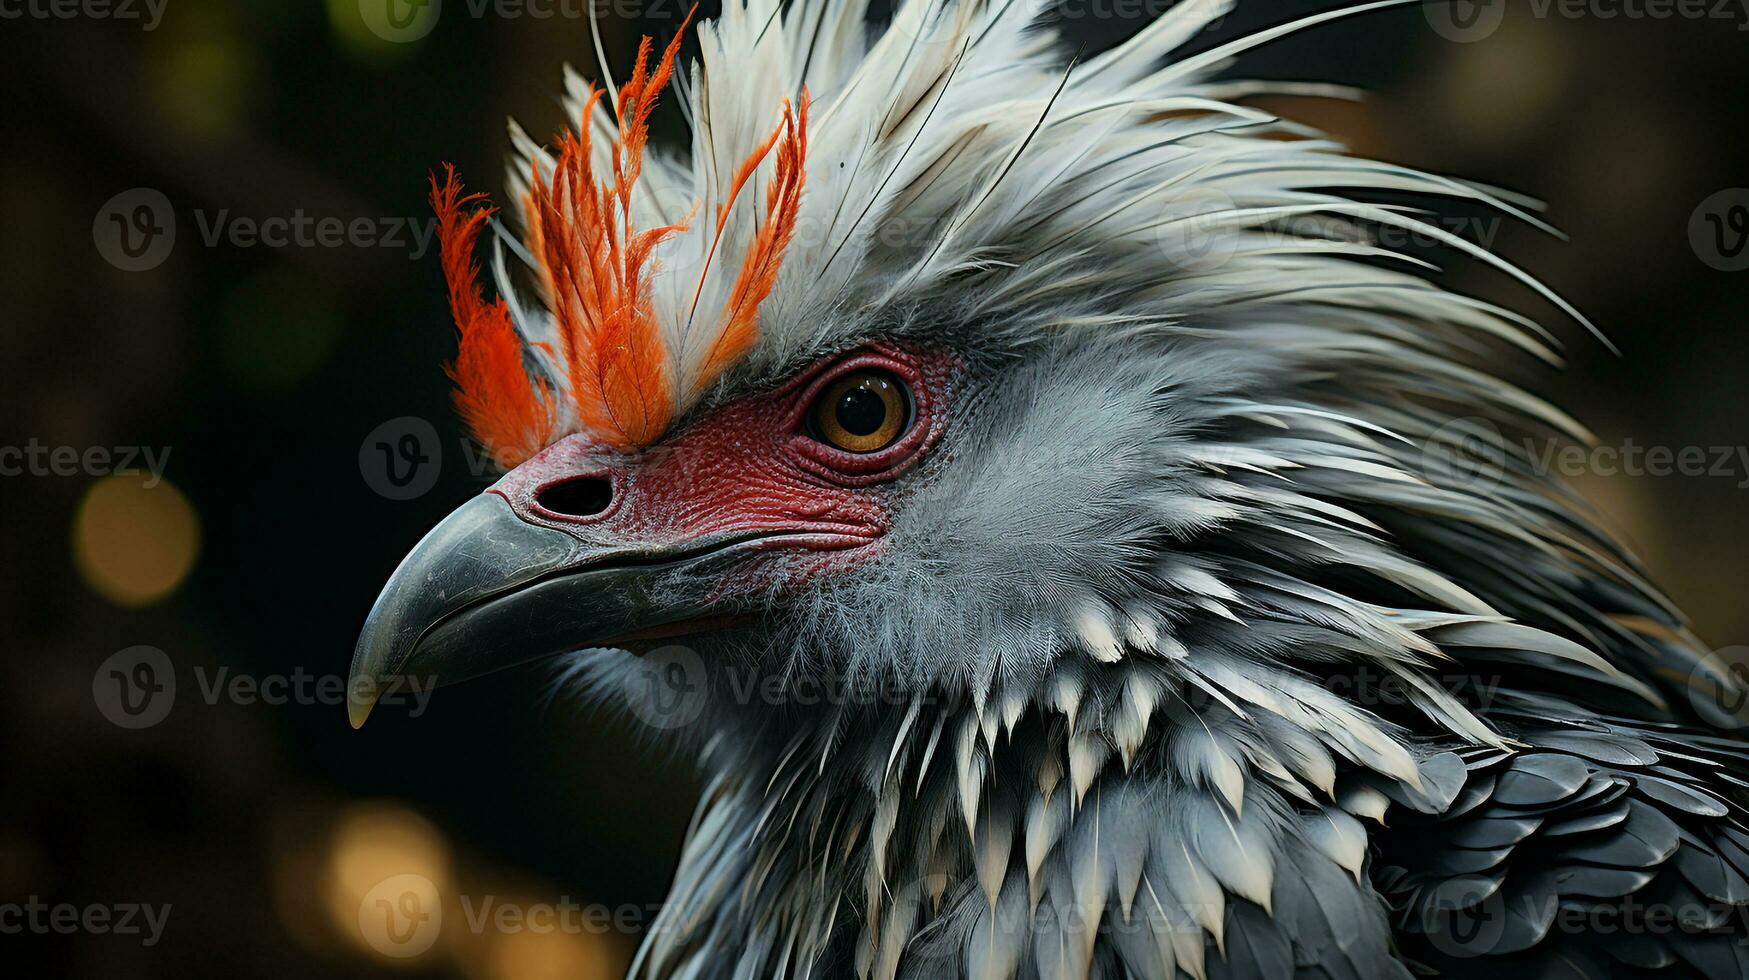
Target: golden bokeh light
x=298, y=854
x=383, y=852
x=204, y=85
x=135, y=539
x=566, y=953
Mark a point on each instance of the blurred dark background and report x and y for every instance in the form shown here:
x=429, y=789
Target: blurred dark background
x=271, y=375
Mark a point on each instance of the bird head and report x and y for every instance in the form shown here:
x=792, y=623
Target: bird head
x=944, y=366
x=984, y=426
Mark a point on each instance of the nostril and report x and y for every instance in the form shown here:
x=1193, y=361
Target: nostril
x=585, y=496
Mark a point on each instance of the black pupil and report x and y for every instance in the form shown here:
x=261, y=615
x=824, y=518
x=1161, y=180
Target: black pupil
x=861, y=412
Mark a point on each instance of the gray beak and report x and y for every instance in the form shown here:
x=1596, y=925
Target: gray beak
x=486, y=590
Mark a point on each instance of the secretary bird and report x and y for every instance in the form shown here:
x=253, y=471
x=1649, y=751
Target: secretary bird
x=1203, y=615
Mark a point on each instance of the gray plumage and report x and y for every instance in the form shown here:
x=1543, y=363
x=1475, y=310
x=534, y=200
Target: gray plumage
x=1211, y=651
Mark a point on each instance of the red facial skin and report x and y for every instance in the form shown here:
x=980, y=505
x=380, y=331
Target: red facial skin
x=751, y=469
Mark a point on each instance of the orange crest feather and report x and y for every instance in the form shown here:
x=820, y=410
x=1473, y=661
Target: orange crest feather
x=783, y=200
x=595, y=269
x=509, y=415
x=593, y=260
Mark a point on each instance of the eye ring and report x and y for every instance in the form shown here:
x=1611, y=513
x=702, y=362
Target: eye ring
x=865, y=411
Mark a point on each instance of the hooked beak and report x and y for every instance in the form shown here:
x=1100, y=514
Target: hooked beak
x=486, y=590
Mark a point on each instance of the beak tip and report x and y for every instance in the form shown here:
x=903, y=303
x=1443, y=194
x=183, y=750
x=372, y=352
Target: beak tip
x=357, y=712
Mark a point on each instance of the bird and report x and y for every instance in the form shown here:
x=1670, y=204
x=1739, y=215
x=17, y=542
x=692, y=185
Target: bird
x=1068, y=536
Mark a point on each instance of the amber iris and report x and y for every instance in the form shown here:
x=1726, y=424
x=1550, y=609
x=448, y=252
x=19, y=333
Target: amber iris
x=862, y=412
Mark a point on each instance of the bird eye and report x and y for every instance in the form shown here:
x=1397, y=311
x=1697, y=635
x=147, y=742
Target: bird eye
x=862, y=412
